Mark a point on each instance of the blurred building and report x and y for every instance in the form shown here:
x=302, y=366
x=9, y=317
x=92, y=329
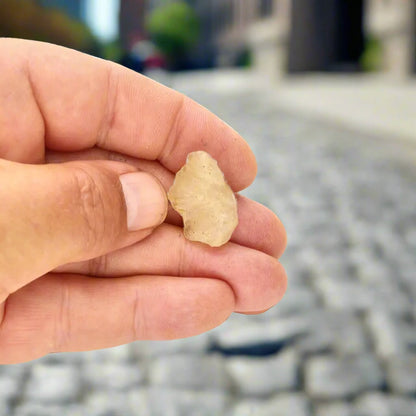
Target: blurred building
x=131, y=21
x=325, y=35
x=268, y=35
x=74, y=8
x=204, y=53
x=309, y=35
x=393, y=22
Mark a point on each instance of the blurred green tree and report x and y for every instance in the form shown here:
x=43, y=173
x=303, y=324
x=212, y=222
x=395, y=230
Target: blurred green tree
x=174, y=28
x=371, y=59
x=28, y=20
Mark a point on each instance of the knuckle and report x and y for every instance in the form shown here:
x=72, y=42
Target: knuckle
x=62, y=327
x=98, y=266
x=184, y=249
x=2, y=312
x=140, y=330
x=91, y=208
x=4, y=292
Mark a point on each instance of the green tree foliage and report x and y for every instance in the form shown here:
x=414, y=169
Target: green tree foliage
x=174, y=28
x=28, y=20
x=371, y=59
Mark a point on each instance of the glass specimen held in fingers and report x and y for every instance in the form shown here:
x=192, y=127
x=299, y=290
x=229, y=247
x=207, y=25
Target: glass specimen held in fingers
x=205, y=201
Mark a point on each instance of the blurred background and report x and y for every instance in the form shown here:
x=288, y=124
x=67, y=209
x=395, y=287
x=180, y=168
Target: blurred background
x=324, y=92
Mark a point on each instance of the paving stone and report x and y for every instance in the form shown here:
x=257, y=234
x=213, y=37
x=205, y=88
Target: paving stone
x=343, y=294
x=4, y=408
x=69, y=358
x=116, y=354
x=10, y=387
x=349, y=335
x=330, y=377
x=168, y=402
x=406, y=269
x=408, y=334
x=110, y=376
x=248, y=407
x=318, y=341
x=37, y=409
x=299, y=262
x=338, y=331
x=379, y=404
x=297, y=300
x=335, y=408
x=257, y=376
x=184, y=371
x=53, y=383
x=401, y=374
x=385, y=330
x=16, y=370
x=348, y=294
x=279, y=330
x=283, y=404
x=336, y=267
x=196, y=344
x=105, y=403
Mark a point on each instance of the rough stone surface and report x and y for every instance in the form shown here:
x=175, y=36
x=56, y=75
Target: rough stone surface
x=386, y=333
x=379, y=404
x=332, y=378
x=339, y=331
x=112, y=376
x=284, y=404
x=178, y=402
x=120, y=354
x=4, y=408
x=271, y=374
x=347, y=201
x=273, y=331
x=205, y=201
x=9, y=387
x=334, y=409
x=401, y=374
x=105, y=403
x=149, y=349
x=37, y=409
x=53, y=383
x=189, y=372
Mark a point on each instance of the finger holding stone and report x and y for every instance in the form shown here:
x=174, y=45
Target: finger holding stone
x=258, y=280
x=258, y=227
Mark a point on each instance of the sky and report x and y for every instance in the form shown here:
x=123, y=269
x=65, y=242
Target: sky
x=102, y=17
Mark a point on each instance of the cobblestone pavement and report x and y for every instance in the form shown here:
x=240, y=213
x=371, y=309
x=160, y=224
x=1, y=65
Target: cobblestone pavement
x=343, y=340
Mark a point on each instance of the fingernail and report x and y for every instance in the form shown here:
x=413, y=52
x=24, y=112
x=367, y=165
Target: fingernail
x=146, y=200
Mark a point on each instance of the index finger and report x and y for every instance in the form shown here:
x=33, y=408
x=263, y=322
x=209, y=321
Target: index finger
x=87, y=102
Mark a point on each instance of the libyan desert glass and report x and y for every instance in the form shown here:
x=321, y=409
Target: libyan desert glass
x=205, y=201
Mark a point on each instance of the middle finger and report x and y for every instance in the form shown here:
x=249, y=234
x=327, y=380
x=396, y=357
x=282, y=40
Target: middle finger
x=257, y=279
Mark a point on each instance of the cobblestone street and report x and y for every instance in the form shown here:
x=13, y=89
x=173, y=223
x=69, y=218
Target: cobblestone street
x=342, y=342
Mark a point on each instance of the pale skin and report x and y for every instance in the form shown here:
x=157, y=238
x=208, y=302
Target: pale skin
x=73, y=276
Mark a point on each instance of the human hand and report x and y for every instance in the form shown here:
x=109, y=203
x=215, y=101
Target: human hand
x=84, y=265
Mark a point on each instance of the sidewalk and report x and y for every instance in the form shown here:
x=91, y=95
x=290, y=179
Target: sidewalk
x=370, y=104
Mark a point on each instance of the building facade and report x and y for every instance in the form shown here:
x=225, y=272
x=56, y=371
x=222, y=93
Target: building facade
x=309, y=35
x=131, y=21
x=393, y=23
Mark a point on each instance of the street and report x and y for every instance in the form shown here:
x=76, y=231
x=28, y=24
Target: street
x=342, y=342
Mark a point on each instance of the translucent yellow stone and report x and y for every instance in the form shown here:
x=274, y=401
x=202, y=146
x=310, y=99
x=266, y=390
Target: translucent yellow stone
x=204, y=200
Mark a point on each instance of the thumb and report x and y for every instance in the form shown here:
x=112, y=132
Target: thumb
x=61, y=213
